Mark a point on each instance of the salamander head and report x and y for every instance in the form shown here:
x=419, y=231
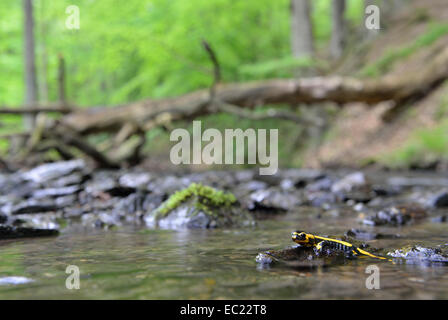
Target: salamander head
x=302, y=238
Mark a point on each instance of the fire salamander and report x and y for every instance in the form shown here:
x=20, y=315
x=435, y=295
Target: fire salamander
x=310, y=240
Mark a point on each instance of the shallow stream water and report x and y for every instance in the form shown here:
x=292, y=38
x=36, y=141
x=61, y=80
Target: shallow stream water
x=130, y=263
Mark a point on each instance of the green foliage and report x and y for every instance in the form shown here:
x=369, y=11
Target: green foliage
x=384, y=64
x=207, y=197
x=276, y=68
x=130, y=50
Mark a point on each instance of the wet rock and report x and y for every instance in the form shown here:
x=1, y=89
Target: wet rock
x=73, y=212
x=418, y=181
x=358, y=196
x=135, y=180
x=422, y=255
x=216, y=179
x=37, y=220
x=367, y=235
x=55, y=192
x=9, y=232
x=320, y=199
x=76, y=178
x=298, y=178
x=386, y=191
x=106, y=183
x=246, y=188
x=167, y=185
x=396, y=215
x=244, y=176
x=133, y=207
x=439, y=219
x=34, y=206
x=299, y=257
x=323, y=184
x=273, y=199
x=66, y=201
x=198, y=206
x=50, y=171
x=350, y=182
x=102, y=220
x=439, y=200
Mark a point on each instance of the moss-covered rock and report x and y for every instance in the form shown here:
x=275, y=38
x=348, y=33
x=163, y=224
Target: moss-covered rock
x=199, y=206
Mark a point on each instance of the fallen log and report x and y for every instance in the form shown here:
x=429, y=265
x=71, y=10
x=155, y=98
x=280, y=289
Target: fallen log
x=400, y=89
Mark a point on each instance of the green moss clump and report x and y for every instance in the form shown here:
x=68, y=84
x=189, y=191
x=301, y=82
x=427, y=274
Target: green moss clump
x=206, y=197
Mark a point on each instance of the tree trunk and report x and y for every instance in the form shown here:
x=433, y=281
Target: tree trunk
x=338, y=28
x=61, y=80
x=30, y=66
x=42, y=82
x=301, y=29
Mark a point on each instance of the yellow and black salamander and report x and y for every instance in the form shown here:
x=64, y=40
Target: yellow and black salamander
x=310, y=240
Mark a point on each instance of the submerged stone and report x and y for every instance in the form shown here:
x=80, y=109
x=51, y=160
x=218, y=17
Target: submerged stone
x=8, y=232
x=439, y=200
x=396, y=215
x=34, y=206
x=299, y=257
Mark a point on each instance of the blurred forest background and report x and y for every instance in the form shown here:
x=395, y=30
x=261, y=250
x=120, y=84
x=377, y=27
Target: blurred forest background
x=126, y=51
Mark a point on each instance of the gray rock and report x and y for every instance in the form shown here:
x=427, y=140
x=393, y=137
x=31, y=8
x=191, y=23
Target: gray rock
x=55, y=192
x=350, y=182
x=50, y=171
x=274, y=199
x=135, y=180
x=419, y=255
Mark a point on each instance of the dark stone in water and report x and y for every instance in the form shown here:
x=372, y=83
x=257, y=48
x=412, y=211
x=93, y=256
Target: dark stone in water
x=34, y=206
x=8, y=232
x=106, y=182
x=440, y=219
x=320, y=198
x=367, y=235
x=396, y=216
x=323, y=184
x=134, y=206
x=101, y=220
x=439, y=200
x=273, y=199
x=299, y=258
